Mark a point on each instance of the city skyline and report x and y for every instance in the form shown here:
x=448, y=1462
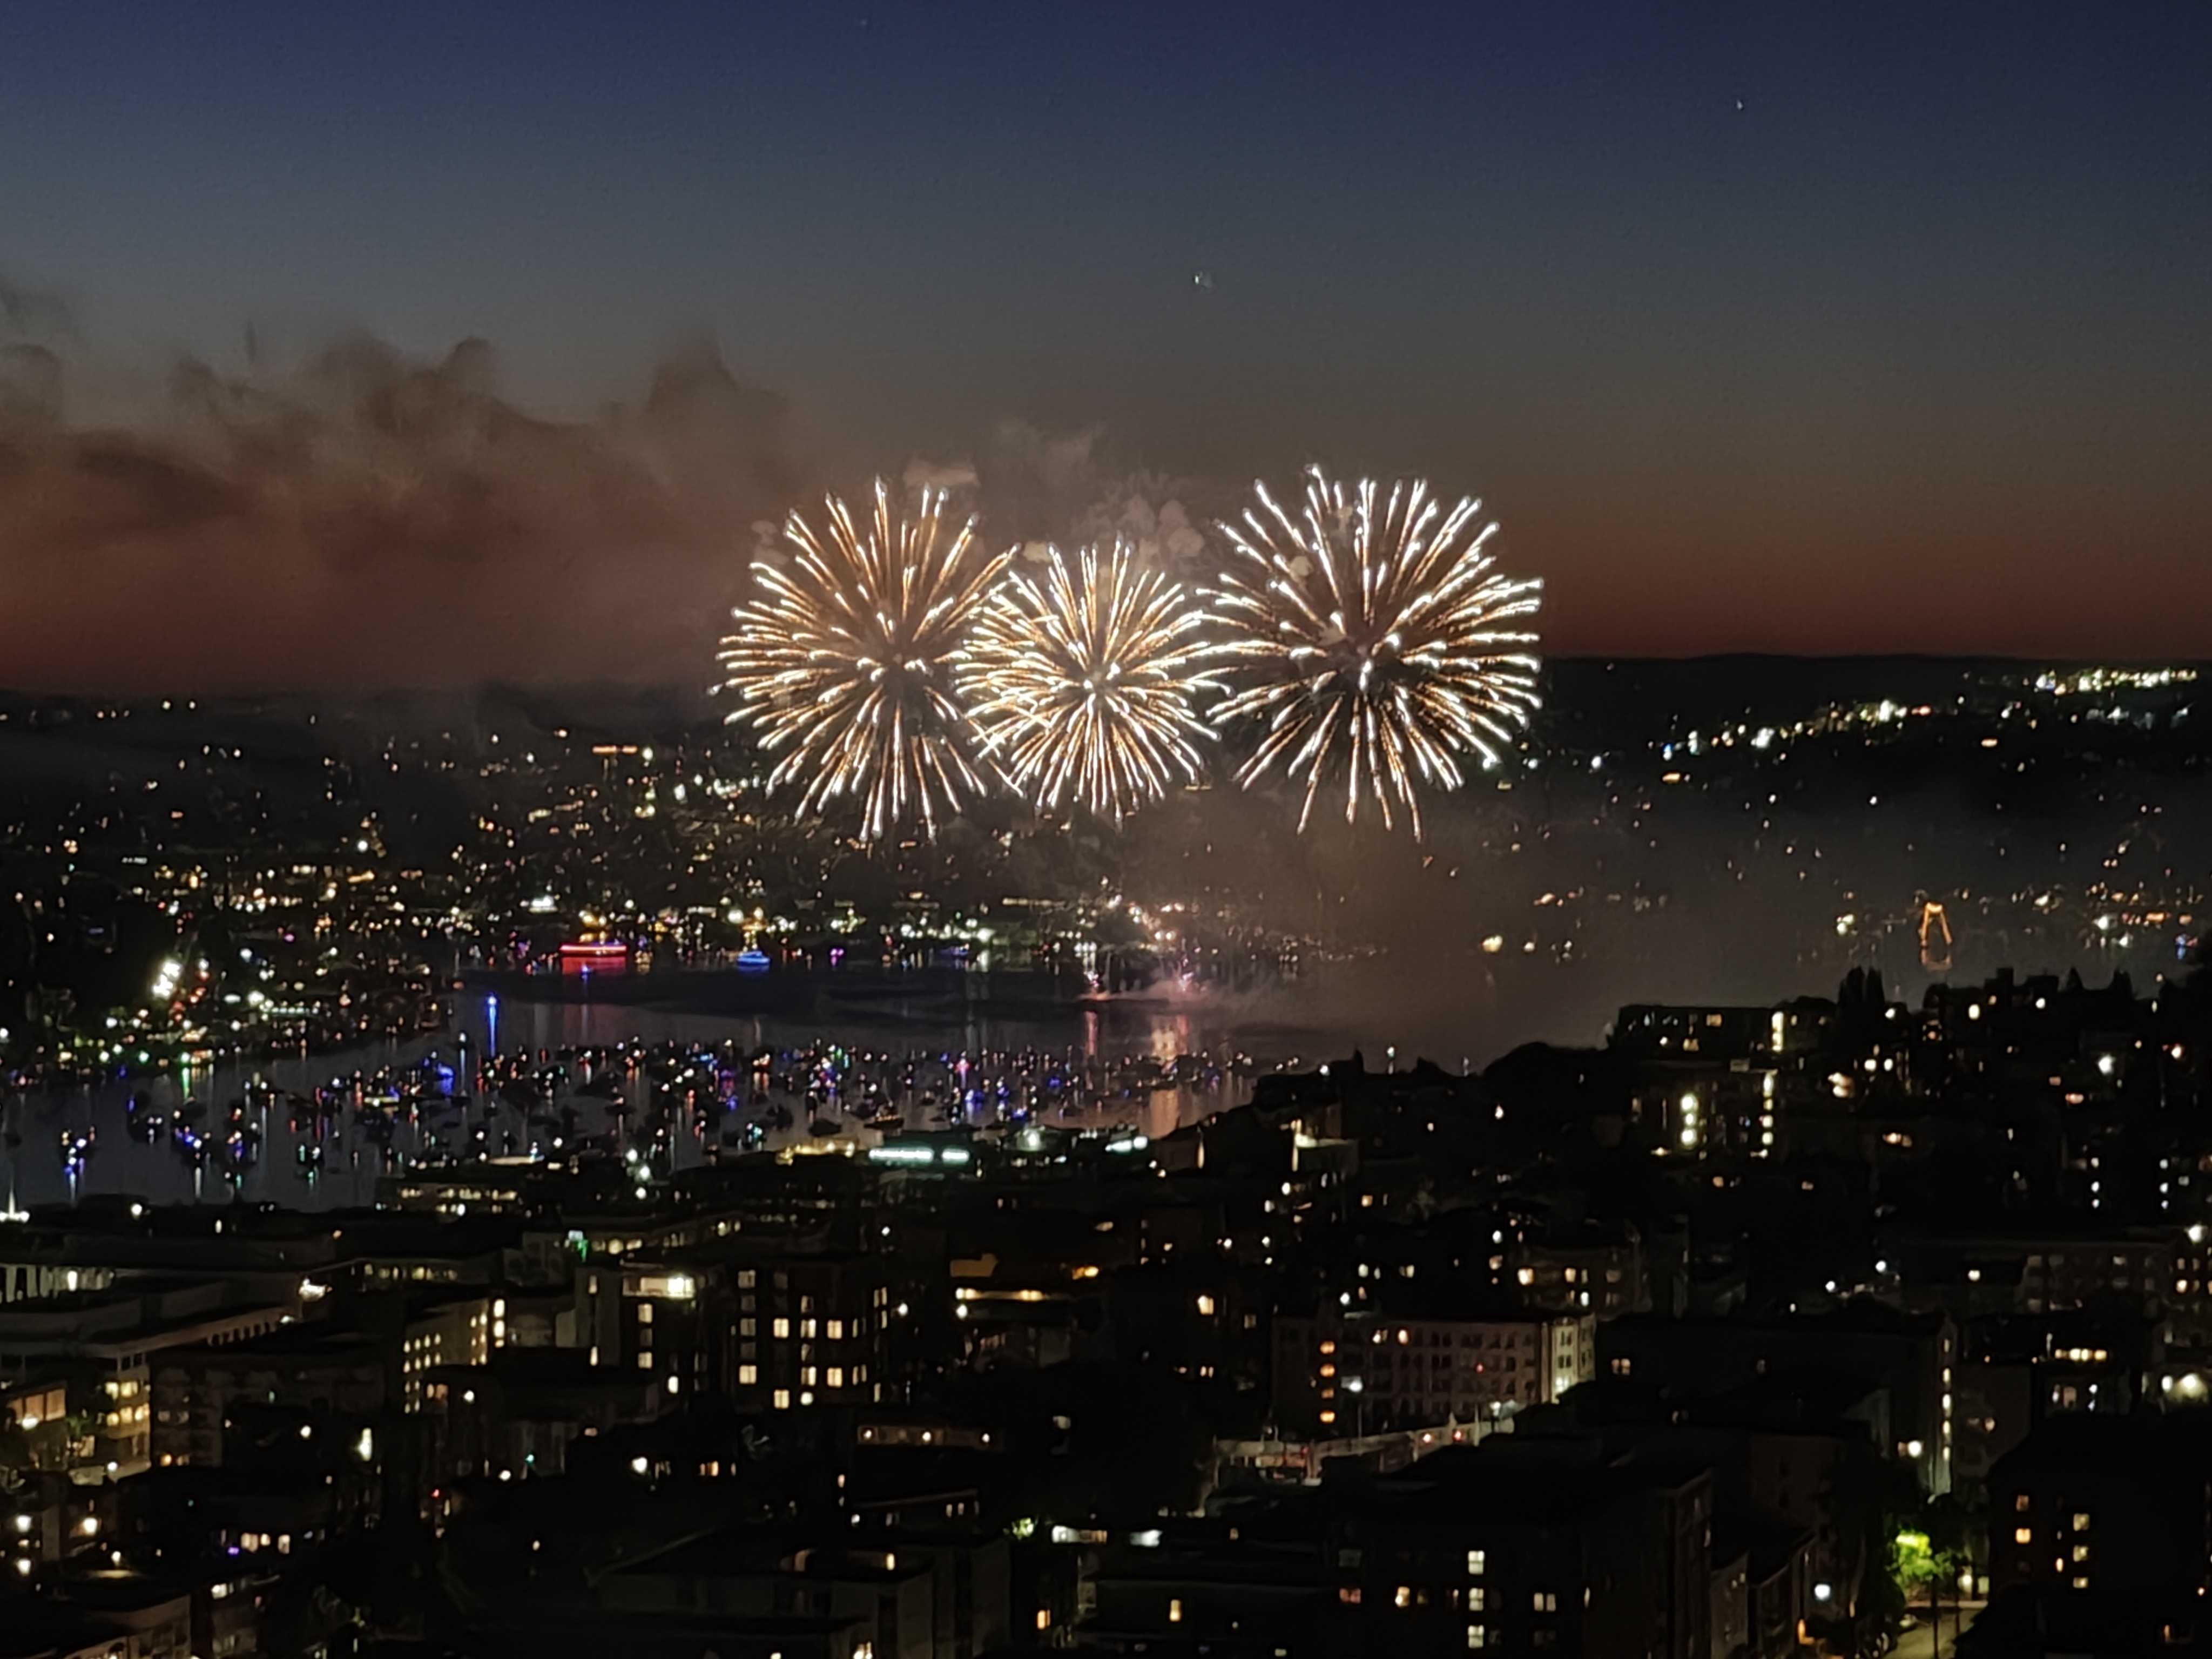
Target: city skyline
x=1015, y=829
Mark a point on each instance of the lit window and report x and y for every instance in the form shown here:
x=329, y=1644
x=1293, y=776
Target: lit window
x=1404, y=1598
x=2022, y=1535
x=1476, y=1560
x=2081, y=1553
x=1476, y=1598
x=2019, y=1503
x=782, y=1329
x=1175, y=1610
x=748, y=1376
x=783, y=1400
x=2081, y=1520
x=1545, y=1601
x=1477, y=1637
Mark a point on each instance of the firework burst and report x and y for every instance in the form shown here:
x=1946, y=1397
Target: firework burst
x=1083, y=682
x=1379, y=643
x=845, y=663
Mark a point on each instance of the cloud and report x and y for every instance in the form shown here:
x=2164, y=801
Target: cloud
x=33, y=313
x=1066, y=488
x=368, y=520
x=359, y=518
x=30, y=386
x=948, y=476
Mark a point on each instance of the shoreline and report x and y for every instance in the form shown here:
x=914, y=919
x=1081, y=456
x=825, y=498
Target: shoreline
x=1008, y=992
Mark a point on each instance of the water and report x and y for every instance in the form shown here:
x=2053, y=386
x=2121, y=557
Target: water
x=1453, y=1009
x=312, y=1158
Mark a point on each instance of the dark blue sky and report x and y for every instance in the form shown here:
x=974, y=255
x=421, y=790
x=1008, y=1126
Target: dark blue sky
x=1902, y=354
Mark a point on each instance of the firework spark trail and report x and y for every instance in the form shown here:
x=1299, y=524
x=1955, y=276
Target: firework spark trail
x=1083, y=683
x=1377, y=638
x=846, y=664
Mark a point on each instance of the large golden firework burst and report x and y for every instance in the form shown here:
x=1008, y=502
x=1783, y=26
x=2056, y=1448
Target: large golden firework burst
x=1083, y=682
x=845, y=664
x=1377, y=639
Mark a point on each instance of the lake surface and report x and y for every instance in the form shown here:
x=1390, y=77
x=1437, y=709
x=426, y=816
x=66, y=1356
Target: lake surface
x=291, y=1129
x=1460, y=1010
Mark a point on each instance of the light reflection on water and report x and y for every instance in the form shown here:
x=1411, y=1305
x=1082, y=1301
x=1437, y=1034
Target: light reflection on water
x=1457, y=1010
x=34, y=1169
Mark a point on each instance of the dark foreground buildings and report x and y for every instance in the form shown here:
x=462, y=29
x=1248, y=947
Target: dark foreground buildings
x=1758, y=1331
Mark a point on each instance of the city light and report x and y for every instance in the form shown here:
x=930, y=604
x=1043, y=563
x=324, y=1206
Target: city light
x=1140, y=1002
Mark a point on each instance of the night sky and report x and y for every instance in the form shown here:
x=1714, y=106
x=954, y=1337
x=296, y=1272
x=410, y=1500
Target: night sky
x=1780, y=327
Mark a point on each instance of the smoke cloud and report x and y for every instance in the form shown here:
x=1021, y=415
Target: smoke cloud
x=362, y=519
x=1064, y=489
x=365, y=519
